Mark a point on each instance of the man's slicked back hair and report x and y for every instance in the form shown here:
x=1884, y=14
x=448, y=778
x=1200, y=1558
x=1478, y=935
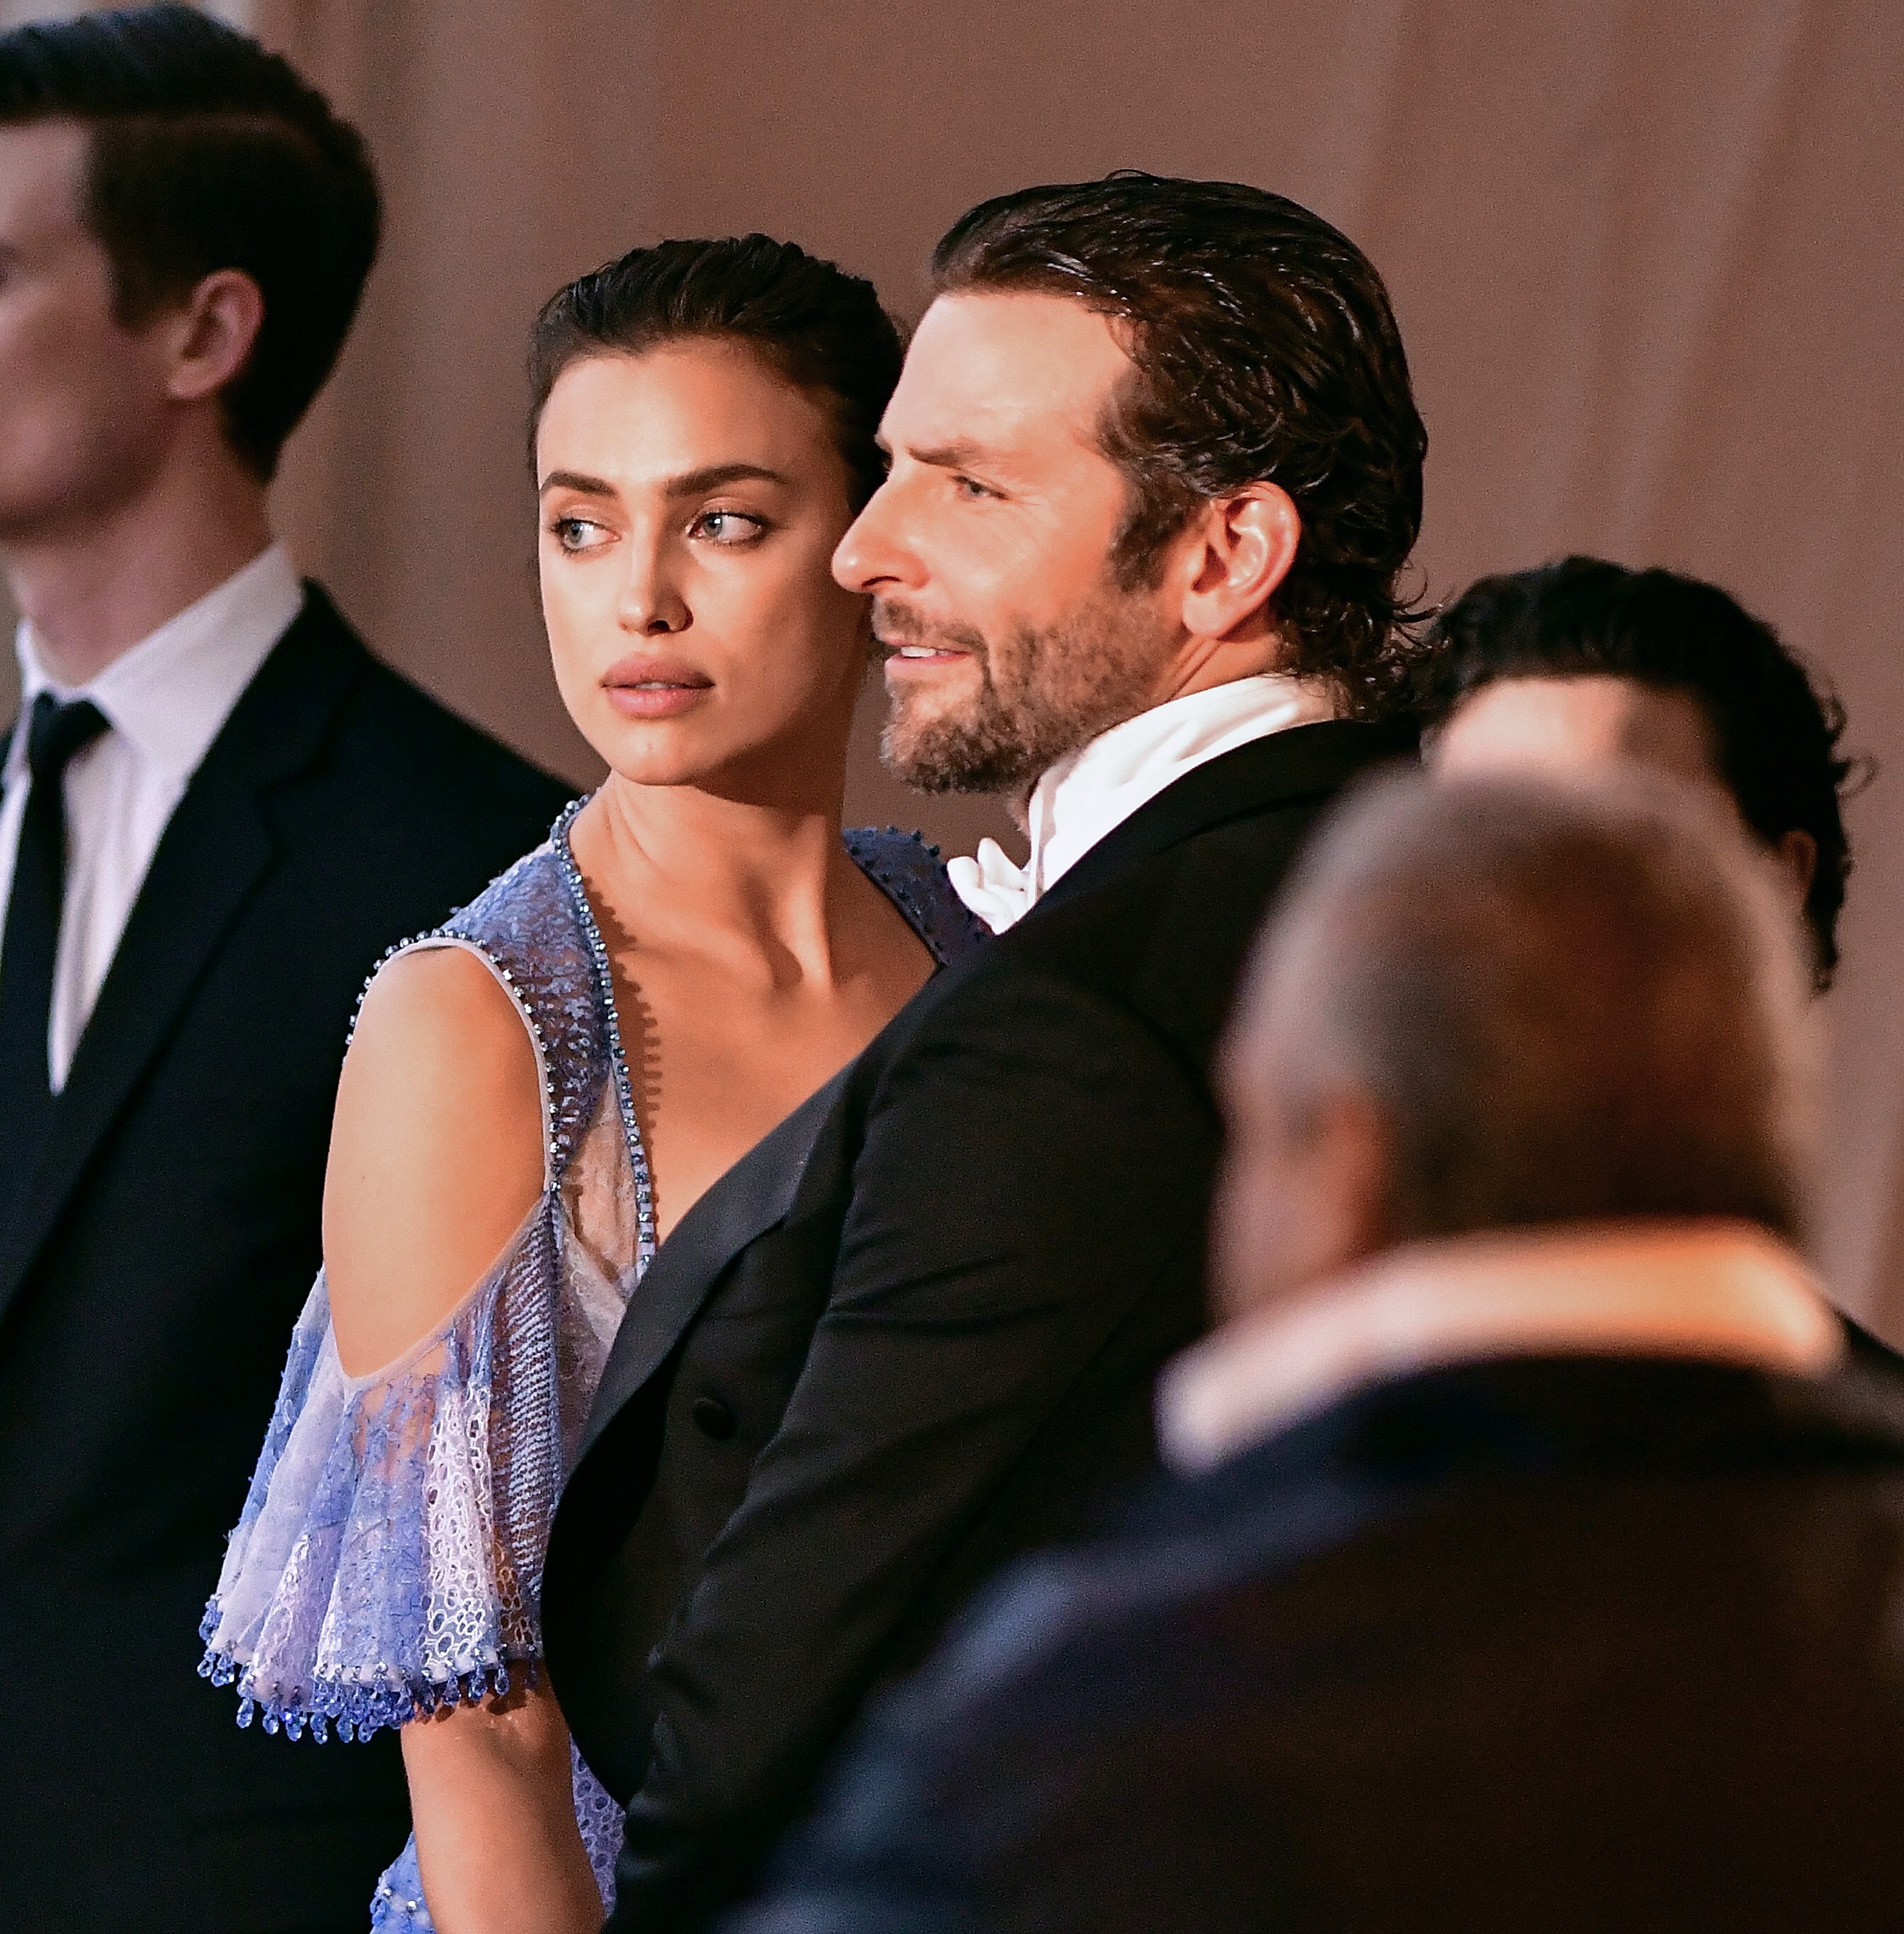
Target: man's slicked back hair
x=207, y=152
x=814, y=325
x=1775, y=726
x=1567, y=1005
x=1264, y=349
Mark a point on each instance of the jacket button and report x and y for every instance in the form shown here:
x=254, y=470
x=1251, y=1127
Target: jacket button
x=715, y=1419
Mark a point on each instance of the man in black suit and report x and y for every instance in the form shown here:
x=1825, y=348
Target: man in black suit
x=1156, y=469
x=1534, y=1558
x=218, y=810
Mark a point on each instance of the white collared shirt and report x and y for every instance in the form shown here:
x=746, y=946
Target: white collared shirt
x=1726, y=1292
x=1095, y=789
x=164, y=701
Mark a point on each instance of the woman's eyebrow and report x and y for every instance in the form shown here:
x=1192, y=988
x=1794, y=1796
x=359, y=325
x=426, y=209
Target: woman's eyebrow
x=713, y=476
x=573, y=480
x=689, y=483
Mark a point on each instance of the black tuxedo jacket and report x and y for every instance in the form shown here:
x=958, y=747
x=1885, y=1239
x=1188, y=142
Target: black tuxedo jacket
x=145, y=1305
x=912, y=1334
x=1538, y=1647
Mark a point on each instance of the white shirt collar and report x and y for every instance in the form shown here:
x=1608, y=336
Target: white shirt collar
x=1710, y=1291
x=1095, y=789
x=170, y=693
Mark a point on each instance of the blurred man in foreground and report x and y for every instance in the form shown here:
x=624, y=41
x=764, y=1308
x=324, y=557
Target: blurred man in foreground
x=1533, y=1560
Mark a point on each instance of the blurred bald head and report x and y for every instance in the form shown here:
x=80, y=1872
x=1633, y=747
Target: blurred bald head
x=1492, y=1003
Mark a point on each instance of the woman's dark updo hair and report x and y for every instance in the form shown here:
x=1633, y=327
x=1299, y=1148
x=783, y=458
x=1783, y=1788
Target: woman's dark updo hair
x=818, y=326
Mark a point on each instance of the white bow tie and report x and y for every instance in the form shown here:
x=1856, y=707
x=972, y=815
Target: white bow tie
x=998, y=892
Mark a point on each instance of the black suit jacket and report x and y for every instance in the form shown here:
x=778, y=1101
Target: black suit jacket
x=1531, y=1646
x=145, y=1305
x=913, y=1335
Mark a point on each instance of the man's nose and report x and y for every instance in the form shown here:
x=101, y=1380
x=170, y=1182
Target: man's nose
x=873, y=556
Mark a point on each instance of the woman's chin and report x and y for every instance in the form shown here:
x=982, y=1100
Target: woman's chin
x=658, y=752
x=646, y=768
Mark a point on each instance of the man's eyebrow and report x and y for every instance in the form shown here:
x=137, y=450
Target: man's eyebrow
x=960, y=454
x=689, y=483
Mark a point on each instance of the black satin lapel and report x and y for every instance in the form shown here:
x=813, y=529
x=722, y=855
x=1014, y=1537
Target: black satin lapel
x=216, y=847
x=754, y=1196
x=1286, y=766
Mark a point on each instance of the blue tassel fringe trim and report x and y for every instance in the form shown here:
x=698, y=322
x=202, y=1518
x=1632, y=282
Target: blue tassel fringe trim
x=355, y=1710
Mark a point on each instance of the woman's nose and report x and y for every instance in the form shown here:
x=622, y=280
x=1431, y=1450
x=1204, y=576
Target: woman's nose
x=652, y=604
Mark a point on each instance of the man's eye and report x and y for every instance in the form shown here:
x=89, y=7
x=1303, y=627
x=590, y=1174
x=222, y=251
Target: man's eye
x=971, y=489
x=727, y=527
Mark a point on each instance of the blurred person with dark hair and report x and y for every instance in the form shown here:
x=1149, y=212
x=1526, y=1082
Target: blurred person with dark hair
x=1584, y=667
x=536, y=1094
x=1582, y=663
x=1156, y=469
x=219, y=810
x=1532, y=1557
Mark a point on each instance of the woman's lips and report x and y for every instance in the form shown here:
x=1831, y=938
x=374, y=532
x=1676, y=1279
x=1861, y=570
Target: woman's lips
x=655, y=689
x=656, y=701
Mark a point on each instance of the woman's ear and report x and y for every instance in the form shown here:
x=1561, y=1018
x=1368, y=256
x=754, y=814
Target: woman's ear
x=213, y=335
x=1246, y=542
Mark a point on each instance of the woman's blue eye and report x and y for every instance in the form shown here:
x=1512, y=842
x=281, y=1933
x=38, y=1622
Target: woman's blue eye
x=728, y=527
x=573, y=533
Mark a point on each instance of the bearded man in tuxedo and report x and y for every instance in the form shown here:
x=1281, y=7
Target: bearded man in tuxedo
x=1156, y=471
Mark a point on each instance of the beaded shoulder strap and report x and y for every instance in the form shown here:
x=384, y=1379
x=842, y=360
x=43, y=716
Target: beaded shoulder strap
x=527, y=924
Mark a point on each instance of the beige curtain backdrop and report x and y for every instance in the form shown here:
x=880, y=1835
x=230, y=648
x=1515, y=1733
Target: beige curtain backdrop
x=1647, y=260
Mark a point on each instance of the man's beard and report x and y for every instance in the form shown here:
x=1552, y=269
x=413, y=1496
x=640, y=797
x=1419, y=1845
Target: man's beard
x=1042, y=695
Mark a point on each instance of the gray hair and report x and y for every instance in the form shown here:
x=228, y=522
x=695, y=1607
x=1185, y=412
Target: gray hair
x=1566, y=1005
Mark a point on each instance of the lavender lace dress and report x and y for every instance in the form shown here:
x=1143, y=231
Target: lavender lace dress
x=388, y=1560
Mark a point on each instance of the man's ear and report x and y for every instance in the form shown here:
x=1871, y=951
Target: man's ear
x=1244, y=544
x=213, y=334
x=1797, y=853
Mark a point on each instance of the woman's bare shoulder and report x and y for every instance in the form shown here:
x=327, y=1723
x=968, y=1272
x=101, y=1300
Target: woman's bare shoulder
x=436, y=1153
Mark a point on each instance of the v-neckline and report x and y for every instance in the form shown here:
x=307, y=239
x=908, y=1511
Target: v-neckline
x=646, y=1242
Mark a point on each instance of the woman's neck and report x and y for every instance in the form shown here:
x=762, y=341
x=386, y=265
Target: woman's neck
x=707, y=872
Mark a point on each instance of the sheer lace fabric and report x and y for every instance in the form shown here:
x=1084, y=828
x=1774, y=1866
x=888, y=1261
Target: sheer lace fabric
x=389, y=1557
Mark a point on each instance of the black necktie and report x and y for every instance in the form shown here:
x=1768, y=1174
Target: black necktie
x=54, y=733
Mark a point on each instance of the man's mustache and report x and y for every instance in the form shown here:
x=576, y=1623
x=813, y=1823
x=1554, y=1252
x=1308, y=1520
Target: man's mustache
x=894, y=625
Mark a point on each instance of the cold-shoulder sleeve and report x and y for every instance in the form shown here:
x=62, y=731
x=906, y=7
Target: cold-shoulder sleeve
x=389, y=1559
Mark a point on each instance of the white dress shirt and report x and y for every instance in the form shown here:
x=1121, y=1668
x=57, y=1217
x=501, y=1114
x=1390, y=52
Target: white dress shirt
x=1096, y=789
x=1723, y=1292
x=163, y=702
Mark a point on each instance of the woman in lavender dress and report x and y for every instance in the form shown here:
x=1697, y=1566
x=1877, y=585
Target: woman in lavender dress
x=535, y=1093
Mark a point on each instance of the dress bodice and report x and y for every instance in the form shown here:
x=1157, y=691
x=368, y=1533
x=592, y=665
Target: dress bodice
x=388, y=1558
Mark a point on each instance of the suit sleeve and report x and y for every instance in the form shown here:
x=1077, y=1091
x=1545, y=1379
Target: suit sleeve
x=1031, y=1167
